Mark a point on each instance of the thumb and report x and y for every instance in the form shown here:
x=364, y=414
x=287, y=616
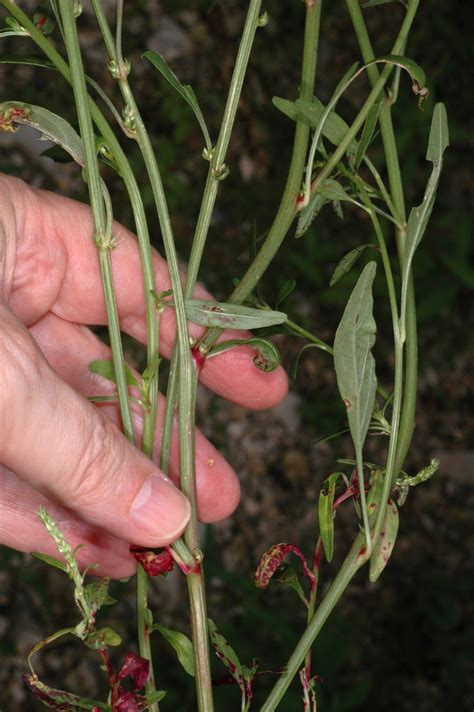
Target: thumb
x=64, y=447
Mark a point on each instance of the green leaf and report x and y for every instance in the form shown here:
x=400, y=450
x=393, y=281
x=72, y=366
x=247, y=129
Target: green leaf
x=373, y=3
x=51, y=561
x=52, y=127
x=326, y=514
x=225, y=652
x=353, y=360
x=103, y=638
x=367, y=134
x=287, y=575
x=334, y=128
x=285, y=290
x=384, y=546
x=97, y=594
x=375, y=494
x=154, y=697
x=416, y=73
x=310, y=213
x=332, y=190
x=419, y=217
x=106, y=370
x=32, y=60
x=184, y=90
x=346, y=263
x=267, y=358
x=230, y=316
x=294, y=367
x=181, y=644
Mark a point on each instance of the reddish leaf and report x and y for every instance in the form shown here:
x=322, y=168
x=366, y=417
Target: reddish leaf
x=126, y=702
x=272, y=559
x=136, y=668
x=153, y=563
x=56, y=699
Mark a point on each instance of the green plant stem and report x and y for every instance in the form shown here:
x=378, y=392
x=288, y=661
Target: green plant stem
x=98, y=211
x=216, y=167
x=349, y=568
x=287, y=210
x=312, y=600
x=144, y=633
x=396, y=187
x=186, y=387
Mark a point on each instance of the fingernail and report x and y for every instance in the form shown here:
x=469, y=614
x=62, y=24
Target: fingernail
x=160, y=510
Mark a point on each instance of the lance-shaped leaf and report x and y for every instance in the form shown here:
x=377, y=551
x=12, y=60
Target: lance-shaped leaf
x=50, y=560
x=346, y=263
x=181, y=644
x=326, y=513
x=225, y=652
x=184, y=90
x=106, y=370
x=374, y=498
x=367, y=134
x=52, y=127
x=59, y=699
x=285, y=290
x=310, y=213
x=384, y=546
x=416, y=73
x=231, y=316
x=419, y=217
x=271, y=560
x=287, y=575
x=353, y=360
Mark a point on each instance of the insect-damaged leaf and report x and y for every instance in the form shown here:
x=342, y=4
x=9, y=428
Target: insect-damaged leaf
x=310, y=213
x=384, y=546
x=266, y=359
x=230, y=316
x=52, y=127
x=181, y=644
x=353, y=360
x=419, y=217
x=225, y=652
x=59, y=699
x=271, y=560
x=326, y=514
x=346, y=263
x=184, y=90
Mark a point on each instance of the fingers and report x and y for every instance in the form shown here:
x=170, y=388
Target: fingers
x=74, y=455
x=57, y=269
x=21, y=529
x=70, y=348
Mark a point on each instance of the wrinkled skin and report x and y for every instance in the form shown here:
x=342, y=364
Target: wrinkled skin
x=56, y=448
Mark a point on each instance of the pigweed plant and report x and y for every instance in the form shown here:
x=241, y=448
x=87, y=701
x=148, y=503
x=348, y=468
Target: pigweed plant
x=330, y=164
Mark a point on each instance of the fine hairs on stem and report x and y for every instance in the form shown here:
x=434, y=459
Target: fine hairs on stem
x=330, y=164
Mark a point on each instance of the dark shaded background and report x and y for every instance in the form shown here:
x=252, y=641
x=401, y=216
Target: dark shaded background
x=407, y=642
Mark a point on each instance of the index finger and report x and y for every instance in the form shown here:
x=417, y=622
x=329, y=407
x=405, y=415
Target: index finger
x=56, y=269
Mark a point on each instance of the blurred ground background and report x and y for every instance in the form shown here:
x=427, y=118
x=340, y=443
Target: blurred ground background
x=407, y=642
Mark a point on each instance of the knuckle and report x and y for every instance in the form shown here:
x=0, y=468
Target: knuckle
x=97, y=474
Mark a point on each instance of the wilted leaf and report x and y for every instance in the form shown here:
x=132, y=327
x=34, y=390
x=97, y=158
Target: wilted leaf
x=155, y=564
x=326, y=513
x=271, y=560
x=181, y=644
x=230, y=316
x=384, y=546
x=102, y=638
x=136, y=668
x=184, y=90
x=346, y=263
x=59, y=699
x=267, y=358
x=416, y=73
x=225, y=652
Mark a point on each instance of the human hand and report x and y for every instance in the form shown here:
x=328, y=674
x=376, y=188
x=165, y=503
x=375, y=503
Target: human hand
x=56, y=448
